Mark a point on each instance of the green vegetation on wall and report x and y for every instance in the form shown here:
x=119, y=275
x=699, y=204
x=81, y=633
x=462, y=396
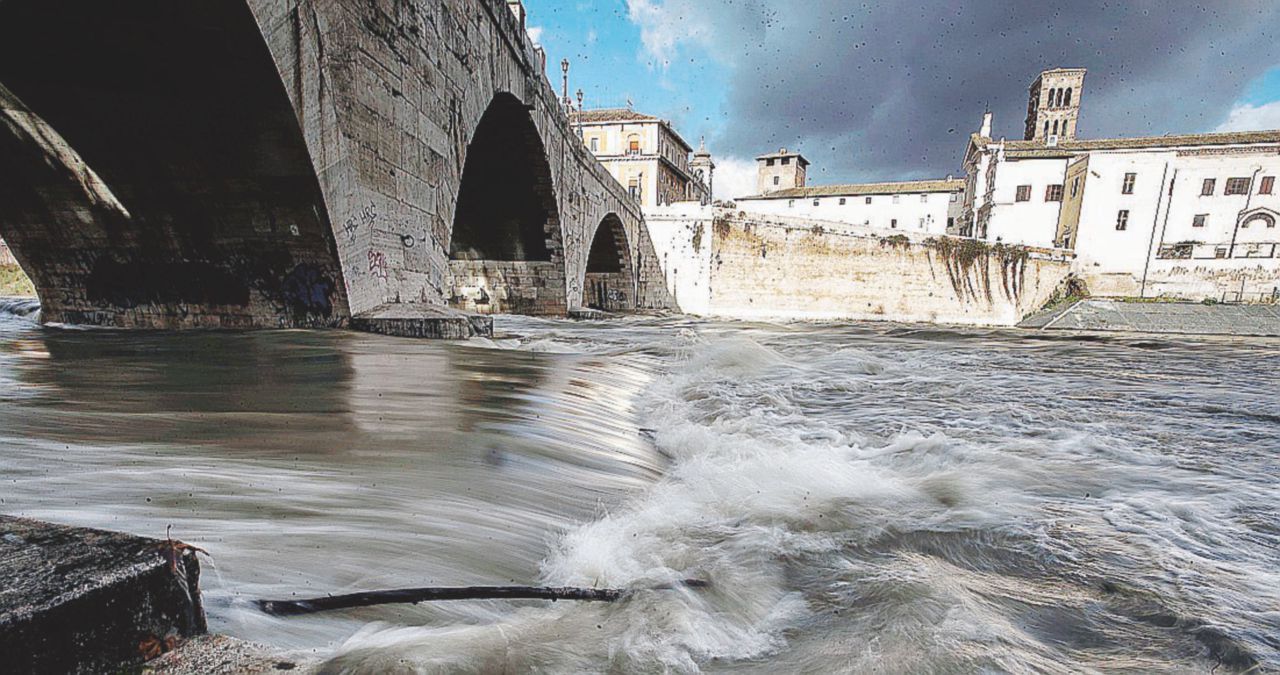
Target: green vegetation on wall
x=968, y=265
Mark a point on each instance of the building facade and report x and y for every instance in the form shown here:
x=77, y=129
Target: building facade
x=1189, y=216
x=646, y=155
x=923, y=206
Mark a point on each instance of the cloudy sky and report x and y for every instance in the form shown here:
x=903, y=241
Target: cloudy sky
x=891, y=89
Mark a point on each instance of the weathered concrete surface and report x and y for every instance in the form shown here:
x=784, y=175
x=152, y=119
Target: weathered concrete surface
x=424, y=321
x=75, y=600
x=771, y=267
x=1162, y=317
x=295, y=162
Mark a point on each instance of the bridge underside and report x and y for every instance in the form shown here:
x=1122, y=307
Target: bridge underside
x=155, y=172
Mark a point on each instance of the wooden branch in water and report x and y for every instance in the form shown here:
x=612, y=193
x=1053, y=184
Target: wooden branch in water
x=416, y=595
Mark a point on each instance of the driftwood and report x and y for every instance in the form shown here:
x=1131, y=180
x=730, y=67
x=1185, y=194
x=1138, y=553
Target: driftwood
x=416, y=595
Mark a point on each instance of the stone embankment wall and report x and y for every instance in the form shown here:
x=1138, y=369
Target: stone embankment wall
x=766, y=267
x=1230, y=280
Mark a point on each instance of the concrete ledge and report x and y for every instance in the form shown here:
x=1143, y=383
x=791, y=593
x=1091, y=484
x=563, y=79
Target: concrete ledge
x=1178, y=318
x=76, y=600
x=423, y=321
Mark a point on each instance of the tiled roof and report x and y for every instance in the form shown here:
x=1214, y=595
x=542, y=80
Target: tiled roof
x=858, y=189
x=610, y=115
x=1067, y=148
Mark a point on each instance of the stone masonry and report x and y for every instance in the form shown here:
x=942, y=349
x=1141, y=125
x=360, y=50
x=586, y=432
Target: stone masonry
x=286, y=163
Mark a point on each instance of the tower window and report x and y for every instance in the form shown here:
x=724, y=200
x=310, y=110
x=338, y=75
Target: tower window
x=842, y=201
x=924, y=199
x=868, y=200
x=893, y=223
x=1237, y=186
x=1024, y=193
x=1127, y=187
x=815, y=202
x=777, y=180
x=1122, y=220
x=595, y=145
x=786, y=161
x=1053, y=193
x=1199, y=220
x=897, y=198
x=769, y=162
x=1046, y=127
x=1075, y=186
x=1067, y=100
x=1207, y=188
x=1267, y=185
x=791, y=203
x=1055, y=127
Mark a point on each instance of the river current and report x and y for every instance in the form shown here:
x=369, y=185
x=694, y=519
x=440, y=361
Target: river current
x=862, y=498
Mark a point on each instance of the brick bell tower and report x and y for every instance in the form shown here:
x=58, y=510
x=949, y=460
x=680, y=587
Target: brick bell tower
x=1053, y=105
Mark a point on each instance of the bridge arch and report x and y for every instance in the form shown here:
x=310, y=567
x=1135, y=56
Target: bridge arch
x=609, y=282
x=506, y=253
x=157, y=175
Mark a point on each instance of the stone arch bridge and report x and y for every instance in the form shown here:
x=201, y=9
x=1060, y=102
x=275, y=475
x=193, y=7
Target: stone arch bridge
x=267, y=163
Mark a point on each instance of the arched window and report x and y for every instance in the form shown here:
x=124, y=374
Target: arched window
x=1055, y=127
x=1049, y=101
x=1046, y=127
x=1260, y=219
x=1067, y=100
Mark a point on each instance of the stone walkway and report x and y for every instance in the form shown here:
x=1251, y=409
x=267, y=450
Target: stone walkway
x=1186, y=318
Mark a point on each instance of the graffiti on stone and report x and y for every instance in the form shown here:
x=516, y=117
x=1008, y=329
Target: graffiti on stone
x=378, y=264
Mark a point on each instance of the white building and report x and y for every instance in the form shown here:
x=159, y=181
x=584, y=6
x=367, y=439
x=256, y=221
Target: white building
x=924, y=206
x=646, y=155
x=1189, y=216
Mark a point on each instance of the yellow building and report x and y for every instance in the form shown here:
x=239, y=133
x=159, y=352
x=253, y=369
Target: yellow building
x=646, y=156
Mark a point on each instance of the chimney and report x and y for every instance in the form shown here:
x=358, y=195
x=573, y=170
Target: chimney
x=985, y=132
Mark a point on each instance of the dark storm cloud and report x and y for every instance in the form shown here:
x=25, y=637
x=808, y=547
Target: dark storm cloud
x=892, y=89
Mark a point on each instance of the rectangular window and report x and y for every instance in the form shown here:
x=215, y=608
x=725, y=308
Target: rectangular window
x=951, y=222
x=777, y=179
x=1024, y=193
x=1075, y=187
x=1220, y=252
x=1267, y=185
x=1127, y=187
x=595, y=145
x=922, y=223
x=924, y=199
x=1199, y=220
x=893, y=223
x=1210, y=184
x=1122, y=219
x=815, y=202
x=955, y=197
x=786, y=161
x=842, y=201
x=791, y=203
x=868, y=200
x=634, y=147
x=1053, y=193
x=768, y=162
x=897, y=198
x=1237, y=186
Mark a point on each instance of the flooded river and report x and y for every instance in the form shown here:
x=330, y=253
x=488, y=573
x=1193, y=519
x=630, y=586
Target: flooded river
x=862, y=497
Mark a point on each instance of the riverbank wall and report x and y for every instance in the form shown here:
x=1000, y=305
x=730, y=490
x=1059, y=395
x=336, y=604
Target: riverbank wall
x=725, y=263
